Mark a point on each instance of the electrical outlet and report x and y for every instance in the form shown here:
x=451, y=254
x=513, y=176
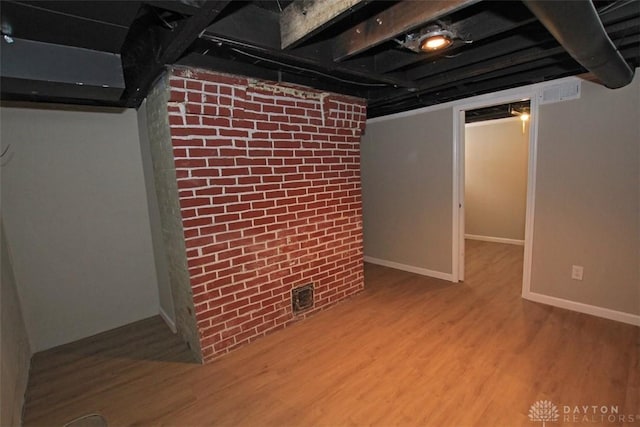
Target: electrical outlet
x=576, y=272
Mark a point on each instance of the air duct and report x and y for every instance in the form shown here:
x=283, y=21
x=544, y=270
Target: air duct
x=577, y=27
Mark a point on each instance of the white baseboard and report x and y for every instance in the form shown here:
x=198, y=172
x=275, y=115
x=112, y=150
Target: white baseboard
x=170, y=323
x=410, y=268
x=606, y=313
x=494, y=239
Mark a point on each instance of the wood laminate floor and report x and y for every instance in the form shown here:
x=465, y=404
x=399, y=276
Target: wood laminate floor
x=409, y=350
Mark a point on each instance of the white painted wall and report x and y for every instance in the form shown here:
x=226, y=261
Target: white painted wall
x=496, y=156
x=587, y=197
x=75, y=211
x=406, y=166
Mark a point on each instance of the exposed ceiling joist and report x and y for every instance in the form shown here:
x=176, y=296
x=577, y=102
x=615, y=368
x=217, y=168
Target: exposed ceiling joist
x=473, y=88
x=288, y=60
x=79, y=24
x=506, y=46
x=541, y=70
x=304, y=18
x=251, y=25
x=398, y=19
x=526, y=74
x=148, y=49
x=344, y=46
x=179, y=6
x=260, y=72
x=501, y=48
x=252, y=33
x=485, y=69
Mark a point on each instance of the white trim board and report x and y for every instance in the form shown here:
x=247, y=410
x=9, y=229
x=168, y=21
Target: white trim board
x=494, y=239
x=457, y=195
x=458, y=235
x=170, y=323
x=606, y=313
x=411, y=269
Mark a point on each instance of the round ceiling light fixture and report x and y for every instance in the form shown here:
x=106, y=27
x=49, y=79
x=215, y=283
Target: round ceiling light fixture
x=436, y=40
x=432, y=38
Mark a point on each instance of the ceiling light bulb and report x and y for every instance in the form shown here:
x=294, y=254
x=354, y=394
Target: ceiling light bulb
x=435, y=42
x=524, y=117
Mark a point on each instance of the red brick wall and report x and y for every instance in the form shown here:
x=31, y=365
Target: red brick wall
x=269, y=186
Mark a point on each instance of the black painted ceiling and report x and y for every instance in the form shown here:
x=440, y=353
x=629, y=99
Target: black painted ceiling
x=494, y=112
x=110, y=52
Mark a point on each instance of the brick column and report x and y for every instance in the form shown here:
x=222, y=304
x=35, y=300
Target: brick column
x=269, y=187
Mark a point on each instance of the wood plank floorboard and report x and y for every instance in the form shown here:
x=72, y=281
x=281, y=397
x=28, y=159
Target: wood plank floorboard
x=409, y=350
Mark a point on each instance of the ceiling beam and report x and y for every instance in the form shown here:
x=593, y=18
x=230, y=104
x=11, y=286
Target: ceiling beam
x=258, y=71
x=499, y=48
x=288, y=61
x=484, y=25
x=178, y=6
x=398, y=19
x=252, y=30
x=304, y=18
x=477, y=72
x=249, y=24
x=92, y=26
x=536, y=72
x=563, y=61
x=480, y=63
x=37, y=69
x=473, y=87
x=150, y=47
x=469, y=84
x=259, y=28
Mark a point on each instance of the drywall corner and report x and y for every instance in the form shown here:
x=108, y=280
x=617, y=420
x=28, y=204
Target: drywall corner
x=166, y=189
x=15, y=347
x=76, y=220
x=162, y=272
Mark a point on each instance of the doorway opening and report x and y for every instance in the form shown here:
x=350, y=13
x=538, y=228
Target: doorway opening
x=494, y=177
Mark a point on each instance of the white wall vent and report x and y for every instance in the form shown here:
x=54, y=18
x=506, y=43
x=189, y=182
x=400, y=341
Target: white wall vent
x=560, y=92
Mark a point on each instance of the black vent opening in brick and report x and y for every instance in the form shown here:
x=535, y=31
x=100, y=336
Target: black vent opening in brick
x=302, y=298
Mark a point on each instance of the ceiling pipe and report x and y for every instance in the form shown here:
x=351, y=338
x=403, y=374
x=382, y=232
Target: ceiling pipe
x=578, y=28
